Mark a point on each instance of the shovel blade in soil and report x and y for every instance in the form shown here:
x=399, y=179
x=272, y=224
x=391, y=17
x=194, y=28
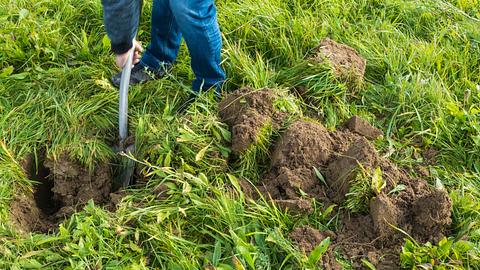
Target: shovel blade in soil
x=124, y=176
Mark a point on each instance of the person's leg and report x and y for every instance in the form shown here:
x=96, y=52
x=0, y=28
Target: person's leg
x=197, y=21
x=162, y=50
x=165, y=37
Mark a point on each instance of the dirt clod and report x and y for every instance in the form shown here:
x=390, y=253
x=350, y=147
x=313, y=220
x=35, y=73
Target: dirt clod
x=246, y=130
x=385, y=216
x=431, y=213
x=363, y=127
x=346, y=61
x=343, y=170
x=304, y=144
x=303, y=147
x=306, y=238
x=309, y=163
x=246, y=111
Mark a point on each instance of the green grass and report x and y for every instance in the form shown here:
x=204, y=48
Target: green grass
x=422, y=88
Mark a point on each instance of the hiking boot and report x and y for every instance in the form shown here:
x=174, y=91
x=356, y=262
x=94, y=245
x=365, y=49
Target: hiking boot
x=141, y=74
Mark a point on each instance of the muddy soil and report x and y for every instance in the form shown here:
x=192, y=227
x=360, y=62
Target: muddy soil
x=345, y=61
x=292, y=183
x=63, y=187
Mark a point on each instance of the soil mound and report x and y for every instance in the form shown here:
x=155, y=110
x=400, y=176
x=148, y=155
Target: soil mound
x=345, y=61
x=416, y=208
x=310, y=163
x=246, y=111
x=304, y=144
x=303, y=147
x=63, y=186
x=376, y=236
x=342, y=172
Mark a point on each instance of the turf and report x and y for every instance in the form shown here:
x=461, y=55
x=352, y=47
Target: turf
x=422, y=89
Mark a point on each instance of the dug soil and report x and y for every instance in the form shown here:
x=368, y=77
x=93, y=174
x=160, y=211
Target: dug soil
x=345, y=61
x=247, y=111
x=309, y=162
x=63, y=186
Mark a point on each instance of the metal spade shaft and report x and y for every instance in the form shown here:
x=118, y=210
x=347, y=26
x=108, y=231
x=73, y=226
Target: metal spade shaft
x=127, y=165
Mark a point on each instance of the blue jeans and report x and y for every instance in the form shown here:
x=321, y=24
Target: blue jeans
x=196, y=21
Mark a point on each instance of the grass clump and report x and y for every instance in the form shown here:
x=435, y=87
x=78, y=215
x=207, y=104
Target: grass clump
x=365, y=185
x=254, y=162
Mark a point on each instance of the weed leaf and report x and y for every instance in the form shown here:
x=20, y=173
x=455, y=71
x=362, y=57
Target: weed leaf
x=217, y=253
x=317, y=253
x=201, y=153
x=397, y=189
x=368, y=264
x=320, y=176
x=378, y=183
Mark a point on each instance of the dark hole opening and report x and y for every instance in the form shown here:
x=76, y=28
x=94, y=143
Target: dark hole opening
x=43, y=194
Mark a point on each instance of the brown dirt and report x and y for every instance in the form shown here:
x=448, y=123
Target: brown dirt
x=307, y=239
x=26, y=216
x=358, y=240
x=297, y=206
x=419, y=210
x=374, y=236
x=246, y=111
x=63, y=187
x=363, y=127
x=345, y=61
x=361, y=155
x=385, y=216
x=342, y=139
x=75, y=185
x=291, y=182
x=304, y=144
x=431, y=213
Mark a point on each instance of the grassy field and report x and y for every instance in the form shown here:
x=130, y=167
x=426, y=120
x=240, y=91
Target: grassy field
x=422, y=89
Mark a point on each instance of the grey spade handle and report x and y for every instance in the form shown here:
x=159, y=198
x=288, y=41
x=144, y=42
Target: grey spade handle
x=123, y=101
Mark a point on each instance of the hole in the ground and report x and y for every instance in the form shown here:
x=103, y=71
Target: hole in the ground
x=43, y=194
x=63, y=187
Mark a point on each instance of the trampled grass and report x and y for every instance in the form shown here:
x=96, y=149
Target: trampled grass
x=422, y=89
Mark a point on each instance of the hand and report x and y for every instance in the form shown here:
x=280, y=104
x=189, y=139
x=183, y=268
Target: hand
x=121, y=59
